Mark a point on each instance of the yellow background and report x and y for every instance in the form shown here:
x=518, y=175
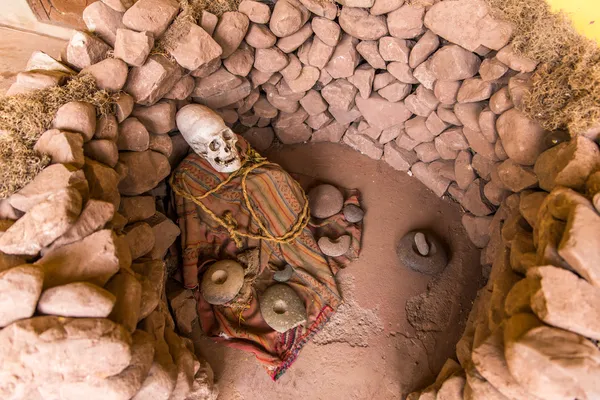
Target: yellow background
x=584, y=13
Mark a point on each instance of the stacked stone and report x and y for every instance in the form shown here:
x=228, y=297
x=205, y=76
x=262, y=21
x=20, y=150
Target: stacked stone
x=82, y=274
x=533, y=329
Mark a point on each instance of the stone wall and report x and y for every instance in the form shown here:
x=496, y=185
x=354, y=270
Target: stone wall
x=431, y=88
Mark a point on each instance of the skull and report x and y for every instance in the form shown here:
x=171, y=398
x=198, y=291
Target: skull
x=206, y=133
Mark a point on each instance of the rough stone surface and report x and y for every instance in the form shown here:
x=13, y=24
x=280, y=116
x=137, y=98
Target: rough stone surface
x=145, y=170
x=153, y=16
x=335, y=248
x=432, y=263
x=282, y=308
x=453, y=63
x=362, y=25
x=522, y=138
x=76, y=116
x=345, y=58
x=133, y=47
x=128, y=293
x=78, y=299
x=84, y=50
x=288, y=17
x=150, y=82
x=20, y=288
x=62, y=147
x=406, y=22
x=194, y=47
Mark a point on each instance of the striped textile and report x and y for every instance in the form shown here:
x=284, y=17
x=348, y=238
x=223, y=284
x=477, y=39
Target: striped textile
x=277, y=200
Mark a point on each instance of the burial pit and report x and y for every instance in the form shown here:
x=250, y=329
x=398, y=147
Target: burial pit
x=365, y=199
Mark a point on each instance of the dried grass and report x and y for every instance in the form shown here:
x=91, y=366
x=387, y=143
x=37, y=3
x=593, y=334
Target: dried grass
x=24, y=117
x=565, y=92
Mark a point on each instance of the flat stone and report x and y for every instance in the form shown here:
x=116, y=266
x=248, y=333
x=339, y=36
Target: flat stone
x=102, y=181
x=123, y=106
x=140, y=238
x=20, y=289
x=165, y=233
x=335, y=248
x=208, y=22
x=474, y=89
x=380, y=113
x=270, y=60
x=222, y=282
x=492, y=69
x=478, y=229
x=399, y=158
x=282, y=308
x=42, y=224
x=501, y=101
x=326, y=30
x=363, y=143
x=103, y=21
x=473, y=201
x=330, y=133
x=432, y=263
x=78, y=299
x=325, y=201
x=240, y=62
x=153, y=16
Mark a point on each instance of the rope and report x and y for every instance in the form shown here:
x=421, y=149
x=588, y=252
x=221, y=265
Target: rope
x=252, y=161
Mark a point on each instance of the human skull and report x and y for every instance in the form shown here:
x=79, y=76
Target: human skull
x=206, y=133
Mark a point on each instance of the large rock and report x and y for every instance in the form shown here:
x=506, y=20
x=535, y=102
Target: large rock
x=491, y=364
x=94, y=216
x=64, y=350
x=153, y=16
x=137, y=208
x=380, y=113
x=103, y=182
x=230, y=31
x=362, y=25
x=453, y=63
x=110, y=74
x=152, y=275
x=517, y=62
x=327, y=9
x=84, y=50
x=522, y=138
x=133, y=47
x=20, y=288
x=406, y=22
x=145, y=170
x=94, y=259
x=566, y=301
x=150, y=82
x=288, y=17
x=42, y=224
x=140, y=239
x=63, y=147
x=568, y=164
x=122, y=386
x=579, y=245
x=193, y=47
x=78, y=299
x=50, y=180
x=165, y=233
x=551, y=363
x=103, y=21
x=128, y=292
x=159, y=118
x=468, y=24
x=76, y=116
x=292, y=42
x=344, y=59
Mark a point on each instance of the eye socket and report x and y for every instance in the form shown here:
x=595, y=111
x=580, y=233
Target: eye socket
x=227, y=135
x=214, y=145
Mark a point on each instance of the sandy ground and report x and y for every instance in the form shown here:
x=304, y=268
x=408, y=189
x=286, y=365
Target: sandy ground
x=369, y=350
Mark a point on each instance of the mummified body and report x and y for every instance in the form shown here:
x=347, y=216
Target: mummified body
x=231, y=200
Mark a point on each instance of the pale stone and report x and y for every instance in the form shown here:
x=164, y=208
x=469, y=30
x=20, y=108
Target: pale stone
x=20, y=288
x=78, y=299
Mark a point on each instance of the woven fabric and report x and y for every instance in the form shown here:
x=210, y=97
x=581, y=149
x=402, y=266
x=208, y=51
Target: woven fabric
x=277, y=199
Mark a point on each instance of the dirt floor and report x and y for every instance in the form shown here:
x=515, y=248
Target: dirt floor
x=369, y=350
x=16, y=48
